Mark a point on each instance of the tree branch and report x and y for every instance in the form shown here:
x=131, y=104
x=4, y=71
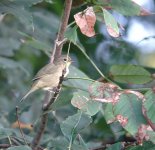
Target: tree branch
x=60, y=37
x=2, y=146
x=56, y=53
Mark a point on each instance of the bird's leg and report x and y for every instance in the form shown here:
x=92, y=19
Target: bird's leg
x=65, y=78
x=56, y=90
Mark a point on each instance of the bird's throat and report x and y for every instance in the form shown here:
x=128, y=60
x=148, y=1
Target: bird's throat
x=67, y=71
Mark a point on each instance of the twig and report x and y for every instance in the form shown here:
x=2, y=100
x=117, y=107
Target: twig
x=60, y=37
x=15, y=141
x=56, y=53
x=20, y=126
x=4, y=146
x=10, y=142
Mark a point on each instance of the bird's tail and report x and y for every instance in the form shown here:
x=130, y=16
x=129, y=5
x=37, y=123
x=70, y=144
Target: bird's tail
x=25, y=96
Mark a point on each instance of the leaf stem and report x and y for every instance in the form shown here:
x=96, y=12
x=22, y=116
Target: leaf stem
x=139, y=89
x=80, y=78
x=73, y=87
x=70, y=24
x=73, y=130
x=94, y=65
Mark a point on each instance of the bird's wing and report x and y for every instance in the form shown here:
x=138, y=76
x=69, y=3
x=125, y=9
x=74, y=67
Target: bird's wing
x=46, y=70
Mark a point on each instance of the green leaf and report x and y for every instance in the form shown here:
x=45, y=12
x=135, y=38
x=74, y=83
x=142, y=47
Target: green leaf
x=20, y=148
x=129, y=108
x=151, y=135
x=116, y=146
x=71, y=34
x=79, y=144
x=58, y=143
x=8, y=45
x=108, y=113
x=5, y=132
x=77, y=83
x=145, y=146
x=39, y=45
x=23, y=3
x=64, y=98
x=149, y=105
x=82, y=101
x=7, y=63
x=82, y=143
x=49, y=1
x=126, y=7
x=130, y=74
x=27, y=3
x=11, y=7
x=111, y=24
x=74, y=124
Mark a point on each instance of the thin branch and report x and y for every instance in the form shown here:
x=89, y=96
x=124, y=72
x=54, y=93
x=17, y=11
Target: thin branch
x=94, y=65
x=60, y=37
x=40, y=132
x=2, y=146
x=23, y=136
x=81, y=78
x=56, y=53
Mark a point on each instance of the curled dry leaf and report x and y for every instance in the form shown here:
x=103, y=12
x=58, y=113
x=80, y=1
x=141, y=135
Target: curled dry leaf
x=138, y=94
x=86, y=21
x=22, y=125
x=110, y=93
x=104, y=92
x=142, y=133
x=112, y=32
x=152, y=125
x=122, y=120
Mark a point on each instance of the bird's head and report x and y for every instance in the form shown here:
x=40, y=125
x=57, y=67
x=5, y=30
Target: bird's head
x=63, y=60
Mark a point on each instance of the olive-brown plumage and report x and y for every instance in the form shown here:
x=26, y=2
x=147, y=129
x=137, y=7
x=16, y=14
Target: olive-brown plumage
x=49, y=76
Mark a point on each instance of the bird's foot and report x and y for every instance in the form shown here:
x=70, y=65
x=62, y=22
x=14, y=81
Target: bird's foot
x=65, y=79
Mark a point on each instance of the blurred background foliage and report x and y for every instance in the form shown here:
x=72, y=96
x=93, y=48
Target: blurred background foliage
x=27, y=33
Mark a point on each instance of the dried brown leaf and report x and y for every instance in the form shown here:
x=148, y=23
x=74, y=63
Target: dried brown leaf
x=22, y=125
x=122, y=120
x=86, y=21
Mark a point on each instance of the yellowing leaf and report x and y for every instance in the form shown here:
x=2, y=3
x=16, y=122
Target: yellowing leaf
x=22, y=125
x=111, y=24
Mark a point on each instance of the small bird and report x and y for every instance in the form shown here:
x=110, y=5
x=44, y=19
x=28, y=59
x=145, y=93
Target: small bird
x=49, y=76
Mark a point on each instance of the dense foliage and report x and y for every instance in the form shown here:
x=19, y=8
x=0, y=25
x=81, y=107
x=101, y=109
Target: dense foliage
x=98, y=107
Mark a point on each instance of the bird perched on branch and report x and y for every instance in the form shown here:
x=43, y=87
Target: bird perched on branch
x=49, y=76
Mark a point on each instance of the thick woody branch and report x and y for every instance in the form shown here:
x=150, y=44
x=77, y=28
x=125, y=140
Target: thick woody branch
x=56, y=53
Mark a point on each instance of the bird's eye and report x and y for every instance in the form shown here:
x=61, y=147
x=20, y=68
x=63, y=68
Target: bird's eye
x=65, y=59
